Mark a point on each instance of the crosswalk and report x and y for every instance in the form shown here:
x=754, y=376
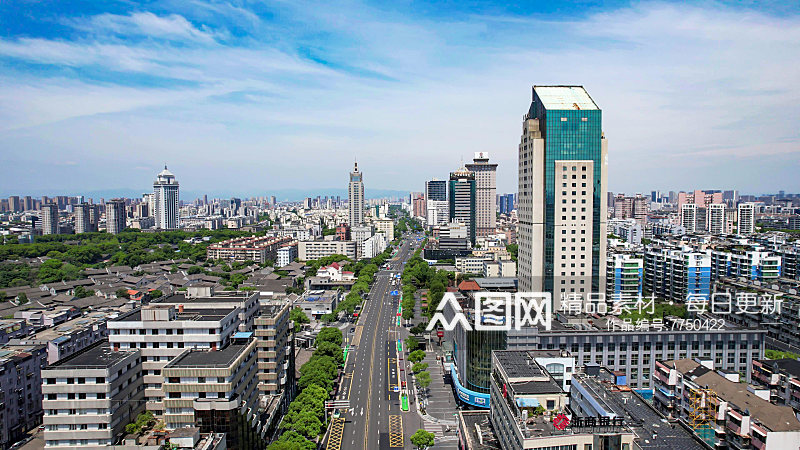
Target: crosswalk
x=435, y=428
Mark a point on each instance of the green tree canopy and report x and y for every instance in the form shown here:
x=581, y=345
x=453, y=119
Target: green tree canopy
x=416, y=356
x=329, y=334
x=422, y=439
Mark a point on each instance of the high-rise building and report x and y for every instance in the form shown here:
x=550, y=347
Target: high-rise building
x=715, y=218
x=14, y=204
x=562, y=193
x=50, y=219
x=27, y=203
x=115, y=216
x=437, y=206
x=463, y=197
x=506, y=203
x=635, y=207
x=165, y=196
x=689, y=217
x=83, y=219
x=355, y=197
x=746, y=218
x=273, y=201
x=485, y=194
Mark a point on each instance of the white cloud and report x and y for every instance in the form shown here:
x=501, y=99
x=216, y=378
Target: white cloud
x=684, y=91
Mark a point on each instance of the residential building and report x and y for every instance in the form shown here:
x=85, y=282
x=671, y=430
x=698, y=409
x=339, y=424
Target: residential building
x=165, y=197
x=485, y=194
x=355, y=198
x=463, y=197
x=499, y=269
x=257, y=249
x=20, y=391
x=737, y=262
x=374, y=246
x=385, y=226
x=781, y=377
x=309, y=250
x=746, y=219
x=562, y=193
x=69, y=337
x=116, y=217
x=627, y=229
x=91, y=396
x=689, y=218
x=674, y=274
x=203, y=296
x=318, y=303
x=624, y=277
x=49, y=216
x=360, y=234
x=83, y=218
x=286, y=255
x=720, y=410
x=162, y=332
x=716, y=220
x=276, y=371
x=635, y=208
x=217, y=391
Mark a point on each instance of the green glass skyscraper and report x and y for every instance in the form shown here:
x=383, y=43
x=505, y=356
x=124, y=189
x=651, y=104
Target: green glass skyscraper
x=562, y=194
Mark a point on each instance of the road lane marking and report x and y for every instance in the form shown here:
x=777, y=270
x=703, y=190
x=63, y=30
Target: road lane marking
x=335, y=438
x=396, y=431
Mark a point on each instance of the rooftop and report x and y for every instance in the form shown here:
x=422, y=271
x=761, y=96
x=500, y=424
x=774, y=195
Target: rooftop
x=565, y=97
x=788, y=365
x=98, y=356
x=202, y=314
x=223, y=358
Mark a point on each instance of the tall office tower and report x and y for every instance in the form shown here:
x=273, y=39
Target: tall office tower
x=485, y=194
x=562, y=193
x=83, y=219
x=689, y=217
x=746, y=218
x=50, y=219
x=655, y=196
x=715, y=218
x=355, y=197
x=437, y=206
x=165, y=196
x=14, y=204
x=463, y=197
x=115, y=216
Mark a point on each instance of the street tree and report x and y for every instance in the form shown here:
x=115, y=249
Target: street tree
x=422, y=439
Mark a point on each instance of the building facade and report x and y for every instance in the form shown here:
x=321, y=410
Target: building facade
x=463, y=200
x=165, y=198
x=308, y=250
x=485, y=194
x=355, y=198
x=746, y=219
x=562, y=193
x=116, y=219
x=49, y=216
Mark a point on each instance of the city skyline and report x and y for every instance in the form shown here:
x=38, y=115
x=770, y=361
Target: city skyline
x=128, y=77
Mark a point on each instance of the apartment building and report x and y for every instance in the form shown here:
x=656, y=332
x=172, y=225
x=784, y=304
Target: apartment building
x=720, y=410
x=738, y=262
x=215, y=391
x=162, y=332
x=746, y=218
x=673, y=274
x=276, y=380
x=20, y=391
x=256, y=249
x=781, y=377
x=624, y=276
x=205, y=297
x=90, y=396
x=286, y=255
x=310, y=250
x=69, y=337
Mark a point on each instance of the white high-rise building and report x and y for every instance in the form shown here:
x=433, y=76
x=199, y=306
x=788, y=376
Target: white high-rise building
x=355, y=198
x=165, y=196
x=689, y=217
x=562, y=194
x=49, y=217
x=485, y=194
x=746, y=218
x=715, y=218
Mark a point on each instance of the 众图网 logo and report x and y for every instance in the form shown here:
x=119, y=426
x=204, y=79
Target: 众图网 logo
x=497, y=311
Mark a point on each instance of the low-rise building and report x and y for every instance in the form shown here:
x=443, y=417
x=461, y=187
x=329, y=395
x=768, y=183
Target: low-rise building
x=90, y=396
x=256, y=249
x=722, y=411
x=20, y=391
x=310, y=250
x=216, y=391
x=162, y=332
x=781, y=377
x=318, y=303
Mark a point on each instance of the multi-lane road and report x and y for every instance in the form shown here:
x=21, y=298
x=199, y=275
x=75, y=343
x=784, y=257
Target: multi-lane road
x=371, y=372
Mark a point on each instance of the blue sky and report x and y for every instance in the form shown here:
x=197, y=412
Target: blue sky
x=247, y=97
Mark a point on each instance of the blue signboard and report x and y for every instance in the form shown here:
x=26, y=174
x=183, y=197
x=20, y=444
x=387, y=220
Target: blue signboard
x=395, y=293
x=469, y=396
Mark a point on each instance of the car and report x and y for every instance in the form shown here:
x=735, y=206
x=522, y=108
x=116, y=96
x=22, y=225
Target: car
x=352, y=329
